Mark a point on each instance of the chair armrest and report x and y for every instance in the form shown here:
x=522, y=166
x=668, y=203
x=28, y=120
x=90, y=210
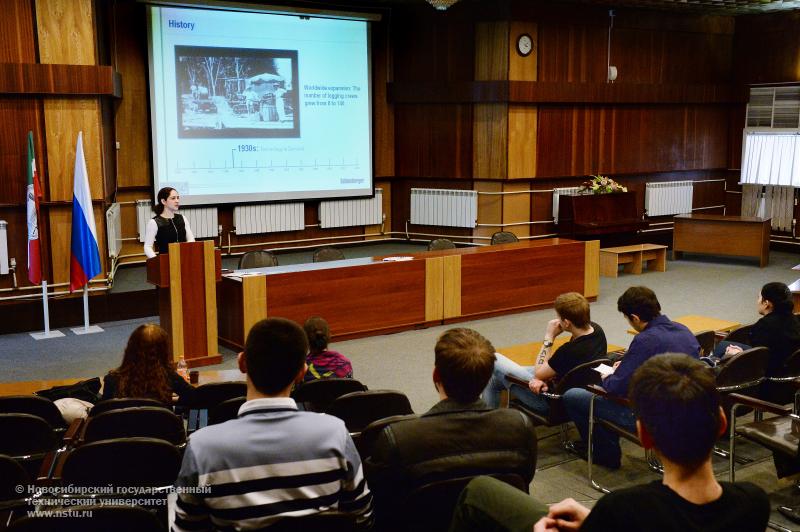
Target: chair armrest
x=516, y=380
x=74, y=430
x=758, y=404
x=601, y=392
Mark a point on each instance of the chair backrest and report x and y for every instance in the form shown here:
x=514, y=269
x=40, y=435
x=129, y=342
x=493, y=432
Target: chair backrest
x=213, y=393
x=123, y=402
x=321, y=522
x=12, y=474
x=441, y=243
x=96, y=518
x=430, y=506
x=365, y=441
x=743, y=370
x=580, y=376
x=706, y=340
x=791, y=368
x=359, y=409
x=225, y=411
x=504, y=237
x=257, y=259
x=143, y=421
x=123, y=462
x=34, y=405
x=26, y=434
x=740, y=335
x=317, y=395
x=778, y=390
x=327, y=253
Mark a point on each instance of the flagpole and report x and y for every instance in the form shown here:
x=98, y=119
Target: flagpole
x=86, y=329
x=47, y=333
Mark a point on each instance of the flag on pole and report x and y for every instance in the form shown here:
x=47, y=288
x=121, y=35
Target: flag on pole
x=84, y=252
x=33, y=193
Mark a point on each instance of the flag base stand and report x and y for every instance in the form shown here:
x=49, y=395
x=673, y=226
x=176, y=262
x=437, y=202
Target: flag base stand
x=92, y=329
x=44, y=335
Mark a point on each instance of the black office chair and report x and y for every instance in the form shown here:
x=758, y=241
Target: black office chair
x=225, y=411
x=139, y=421
x=706, y=339
x=327, y=253
x=27, y=439
x=257, y=259
x=12, y=475
x=504, y=237
x=740, y=335
x=781, y=388
x=34, y=405
x=317, y=395
x=365, y=440
x=441, y=243
x=123, y=402
x=359, y=409
x=742, y=373
x=207, y=396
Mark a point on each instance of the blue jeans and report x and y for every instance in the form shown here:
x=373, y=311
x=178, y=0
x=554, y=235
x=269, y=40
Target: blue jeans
x=719, y=349
x=606, y=443
x=504, y=366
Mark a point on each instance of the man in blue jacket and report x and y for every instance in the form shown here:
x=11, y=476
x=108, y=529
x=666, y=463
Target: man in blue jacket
x=657, y=334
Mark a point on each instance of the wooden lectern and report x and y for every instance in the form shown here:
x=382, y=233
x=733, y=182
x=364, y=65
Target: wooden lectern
x=186, y=278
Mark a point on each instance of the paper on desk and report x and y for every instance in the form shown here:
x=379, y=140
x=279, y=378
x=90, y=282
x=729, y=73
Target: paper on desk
x=604, y=369
x=396, y=259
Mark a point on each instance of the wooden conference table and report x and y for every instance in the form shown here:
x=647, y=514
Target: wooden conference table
x=377, y=295
x=698, y=324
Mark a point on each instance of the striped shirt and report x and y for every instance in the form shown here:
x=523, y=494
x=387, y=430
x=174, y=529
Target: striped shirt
x=273, y=461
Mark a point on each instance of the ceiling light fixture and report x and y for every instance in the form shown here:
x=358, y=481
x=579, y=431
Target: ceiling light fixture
x=442, y=5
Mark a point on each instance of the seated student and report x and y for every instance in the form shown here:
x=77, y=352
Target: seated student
x=778, y=329
x=656, y=335
x=322, y=362
x=678, y=416
x=588, y=342
x=456, y=437
x=147, y=370
x=273, y=460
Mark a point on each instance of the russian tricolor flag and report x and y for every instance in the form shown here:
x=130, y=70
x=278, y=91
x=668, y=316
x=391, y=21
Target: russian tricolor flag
x=85, y=255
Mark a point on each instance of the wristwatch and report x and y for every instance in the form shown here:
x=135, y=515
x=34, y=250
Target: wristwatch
x=547, y=343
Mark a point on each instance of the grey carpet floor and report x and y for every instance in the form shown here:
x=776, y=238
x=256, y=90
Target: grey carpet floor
x=722, y=288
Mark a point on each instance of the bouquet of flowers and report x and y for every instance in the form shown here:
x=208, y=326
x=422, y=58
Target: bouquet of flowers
x=600, y=184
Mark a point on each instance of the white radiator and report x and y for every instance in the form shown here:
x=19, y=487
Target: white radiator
x=674, y=197
x=564, y=191
x=452, y=208
x=114, y=230
x=3, y=247
x=202, y=220
x=268, y=218
x=349, y=213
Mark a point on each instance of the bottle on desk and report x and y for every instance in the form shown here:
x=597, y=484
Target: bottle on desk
x=182, y=369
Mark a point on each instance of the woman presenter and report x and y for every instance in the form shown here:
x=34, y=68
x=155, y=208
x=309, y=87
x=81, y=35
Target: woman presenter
x=167, y=226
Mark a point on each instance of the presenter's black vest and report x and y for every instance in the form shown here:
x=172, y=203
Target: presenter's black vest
x=169, y=230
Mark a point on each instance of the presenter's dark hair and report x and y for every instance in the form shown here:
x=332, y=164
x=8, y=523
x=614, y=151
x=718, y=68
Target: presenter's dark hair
x=641, y=301
x=318, y=334
x=464, y=360
x=163, y=194
x=275, y=351
x=675, y=397
x=779, y=295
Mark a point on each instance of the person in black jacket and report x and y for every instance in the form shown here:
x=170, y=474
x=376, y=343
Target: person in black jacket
x=778, y=329
x=147, y=370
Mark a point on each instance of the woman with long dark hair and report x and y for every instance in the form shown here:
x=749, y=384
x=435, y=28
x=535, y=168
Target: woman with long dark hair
x=147, y=370
x=167, y=226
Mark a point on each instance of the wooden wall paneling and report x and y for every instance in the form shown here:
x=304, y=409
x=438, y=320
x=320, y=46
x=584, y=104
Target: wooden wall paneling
x=386, y=188
x=490, y=141
x=17, y=40
x=434, y=289
x=59, y=218
x=64, y=118
x=572, y=53
x=17, y=243
x=523, y=68
x=766, y=48
x=516, y=208
x=66, y=32
x=490, y=209
x=709, y=194
x=134, y=158
x=17, y=117
x=591, y=273
x=736, y=122
x=542, y=207
x=522, y=132
x=451, y=292
x=382, y=110
x=491, y=50
x=255, y=302
x=433, y=141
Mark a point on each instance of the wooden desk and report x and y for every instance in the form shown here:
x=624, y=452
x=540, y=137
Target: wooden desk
x=633, y=258
x=361, y=297
x=698, y=324
x=722, y=235
x=525, y=354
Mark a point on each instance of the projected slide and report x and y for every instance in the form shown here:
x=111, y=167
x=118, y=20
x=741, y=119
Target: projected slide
x=257, y=107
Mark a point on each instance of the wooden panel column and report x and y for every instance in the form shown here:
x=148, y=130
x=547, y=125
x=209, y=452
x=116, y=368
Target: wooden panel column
x=66, y=35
